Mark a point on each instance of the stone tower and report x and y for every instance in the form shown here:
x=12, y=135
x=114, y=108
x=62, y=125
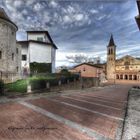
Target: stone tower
x=111, y=57
x=9, y=51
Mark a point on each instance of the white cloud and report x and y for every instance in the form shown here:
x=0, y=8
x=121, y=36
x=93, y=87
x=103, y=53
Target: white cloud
x=101, y=17
x=71, y=9
x=93, y=11
x=46, y=17
x=25, y=12
x=53, y=4
x=37, y=7
x=79, y=17
x=101, y=7
x=9, y=5
x=29, y=2
x=67, y=19
x=18, y=3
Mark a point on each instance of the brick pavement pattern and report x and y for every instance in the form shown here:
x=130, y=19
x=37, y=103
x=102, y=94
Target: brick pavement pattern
x=93, y=115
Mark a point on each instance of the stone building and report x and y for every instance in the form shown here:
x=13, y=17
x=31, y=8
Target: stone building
x=125, y=68
x=9, y=50
x=87, y=70
x=38, y=53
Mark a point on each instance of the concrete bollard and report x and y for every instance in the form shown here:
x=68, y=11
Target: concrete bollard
x=29, y=88
x=48, y=85
x=59, y=83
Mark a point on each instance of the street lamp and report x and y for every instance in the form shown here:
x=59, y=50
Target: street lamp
x=114, y=78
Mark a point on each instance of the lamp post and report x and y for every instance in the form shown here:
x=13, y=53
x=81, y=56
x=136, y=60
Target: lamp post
x=114, y=78
x=81, y=80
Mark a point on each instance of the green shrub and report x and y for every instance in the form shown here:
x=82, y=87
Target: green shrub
x=40, y=67
x=18, y=86
x=39, y=82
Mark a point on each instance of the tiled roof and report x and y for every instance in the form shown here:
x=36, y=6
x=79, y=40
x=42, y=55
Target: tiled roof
x=93, y=65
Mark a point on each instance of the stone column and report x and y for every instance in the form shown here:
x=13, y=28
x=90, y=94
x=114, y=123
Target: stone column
x=118, y=77
x=123, y=77
x=132, y=77
x=137, y=77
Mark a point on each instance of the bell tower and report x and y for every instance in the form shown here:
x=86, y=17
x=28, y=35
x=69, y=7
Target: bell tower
x=111, y=58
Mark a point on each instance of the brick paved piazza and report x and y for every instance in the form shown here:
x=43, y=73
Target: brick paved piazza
x=81, y=115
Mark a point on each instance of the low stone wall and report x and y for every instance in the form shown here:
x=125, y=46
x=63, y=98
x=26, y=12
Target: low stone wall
x=76, y=84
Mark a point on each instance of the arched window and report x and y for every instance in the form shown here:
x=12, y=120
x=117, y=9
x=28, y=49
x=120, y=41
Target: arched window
x=108, y=51
x=12, y=56
x=111, y=50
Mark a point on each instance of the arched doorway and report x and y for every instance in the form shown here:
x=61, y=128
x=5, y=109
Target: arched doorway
x=121, y=76
x=126, y=77
x=135, y=77
x=117, y=76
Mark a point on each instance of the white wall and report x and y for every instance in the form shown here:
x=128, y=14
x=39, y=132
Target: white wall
x=33, y=36
x=25, y=51
x=40, y=53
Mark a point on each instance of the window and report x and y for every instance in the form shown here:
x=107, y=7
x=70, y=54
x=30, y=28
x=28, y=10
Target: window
x=109, y=51
x=24, y=57
x=17, y=50
x=40, y=39
x=127, y=63
x=17, y=68
x=12, y=56
x=0, y=54
x=84, y=69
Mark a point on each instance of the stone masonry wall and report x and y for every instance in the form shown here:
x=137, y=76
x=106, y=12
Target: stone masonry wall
x=9, y=60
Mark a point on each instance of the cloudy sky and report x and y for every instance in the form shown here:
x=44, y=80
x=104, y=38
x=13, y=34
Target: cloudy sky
x=79, y=26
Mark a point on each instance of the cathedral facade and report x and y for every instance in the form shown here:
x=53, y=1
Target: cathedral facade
x=125, y=68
